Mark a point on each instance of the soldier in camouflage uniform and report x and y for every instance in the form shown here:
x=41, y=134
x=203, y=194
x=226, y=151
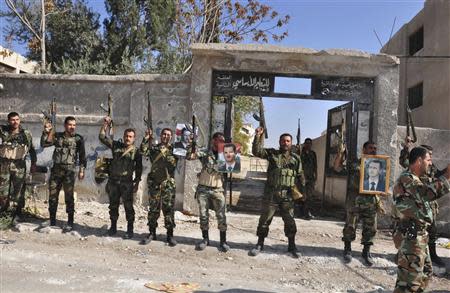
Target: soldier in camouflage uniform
x=161, y=183
x=428, y=177
x=309, y=165
x=126, y=161
x=15, y=145
x=69, y=150
x=360, y=206
x=210, y=193
x=412, y=197
x=284, y=177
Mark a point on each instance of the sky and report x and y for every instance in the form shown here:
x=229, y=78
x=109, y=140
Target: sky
x=321, y=24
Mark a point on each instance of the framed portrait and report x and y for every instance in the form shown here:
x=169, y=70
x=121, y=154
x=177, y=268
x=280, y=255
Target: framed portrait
x=229, y=158
x=374, y=174
x=183, y=138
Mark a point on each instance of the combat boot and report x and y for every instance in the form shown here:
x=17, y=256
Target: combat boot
x=368, y=260
x=433, y=255
x=53, y=219
x=223, y=242
x=347, y=251
x=129, y=234
x=205, y=241
x=170, y=240
x=151, y=236
x=69, y=226
x=259, y=247
x=292, y=248
x=113, y=229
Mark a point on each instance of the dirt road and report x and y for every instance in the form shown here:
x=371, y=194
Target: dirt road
x=45, y=260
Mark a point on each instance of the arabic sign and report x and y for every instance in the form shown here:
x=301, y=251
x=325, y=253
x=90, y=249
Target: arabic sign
x=342, y=87
x=244, y=83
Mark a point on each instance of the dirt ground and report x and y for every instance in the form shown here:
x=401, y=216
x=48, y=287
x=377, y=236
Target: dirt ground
x=42, y=259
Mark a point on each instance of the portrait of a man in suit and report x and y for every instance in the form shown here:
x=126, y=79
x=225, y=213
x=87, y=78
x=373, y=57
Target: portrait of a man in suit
x=180, y=147
x=231, y=161
x=374, y=180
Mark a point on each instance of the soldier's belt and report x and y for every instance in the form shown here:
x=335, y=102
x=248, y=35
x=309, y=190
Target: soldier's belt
x=123, y=179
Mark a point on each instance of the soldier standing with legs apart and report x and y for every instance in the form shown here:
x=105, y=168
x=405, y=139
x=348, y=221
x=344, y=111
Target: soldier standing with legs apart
x=16, y=144
x=209, y=192
x=161, y=183
x=284, y=180
x=362, y=207
x=126, y=161
x=412, y=197
x=69, y=148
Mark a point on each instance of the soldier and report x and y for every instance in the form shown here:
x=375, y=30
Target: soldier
x=16, y=143
x=359, y=206
x=69, y=148
x=412, y=197
x=428, y=177
x=284, y=179
x=126, y=161
x=309, y=165
x=209, y=192
x=161, y=183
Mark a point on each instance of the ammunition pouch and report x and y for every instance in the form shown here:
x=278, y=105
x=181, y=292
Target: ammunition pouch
x=102, y=165
x=13, y=151
x=213, y=179
x=283, y=178
x=65, y=152
x=409, y=229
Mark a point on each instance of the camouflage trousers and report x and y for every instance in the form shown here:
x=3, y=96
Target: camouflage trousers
x=161, y=197
x=12, y=182
x=414, y=269
x=365, y=209
x=61, y=177
x=270, y=205
x=432, y=229
x=117, y=189
x=211, y=197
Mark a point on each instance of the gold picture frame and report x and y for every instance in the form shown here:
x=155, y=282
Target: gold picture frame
x=374, y=174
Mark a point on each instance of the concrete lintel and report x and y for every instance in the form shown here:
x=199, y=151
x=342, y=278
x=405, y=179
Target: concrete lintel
x=106, y=78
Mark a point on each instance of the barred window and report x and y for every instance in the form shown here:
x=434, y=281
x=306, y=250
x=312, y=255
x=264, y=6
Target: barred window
x=415, y=96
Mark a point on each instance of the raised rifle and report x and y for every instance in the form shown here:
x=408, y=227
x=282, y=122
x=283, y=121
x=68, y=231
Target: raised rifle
x=148, y=120
x=50, y=116
x=109, y=112
x=194, y=134
x=410, y=125
x=260, y=118
x=298, y=133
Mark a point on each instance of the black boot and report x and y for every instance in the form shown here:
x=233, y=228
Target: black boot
x=259, y=247
x=151, y=236
x=53, y=218
x=205, y=241
x=292, y=248
x=223, y=241
x=347, y=251
x=113, y=229
x=434, y=257
x=129, y=234
x=368, y=260
x=170, y=240
x=69, y=226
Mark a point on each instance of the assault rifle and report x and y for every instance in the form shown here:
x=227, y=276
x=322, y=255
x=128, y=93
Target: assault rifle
x=194, y=134
x=148, y=120
x=50, y=116
x=410, y=125
x=109, y=111
x=298, y=133
x=260, y=118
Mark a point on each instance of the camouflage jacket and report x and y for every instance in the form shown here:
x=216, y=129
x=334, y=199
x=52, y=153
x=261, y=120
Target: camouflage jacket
x=163, y=161
x=23, y=137
x=309, y=164
x=412, y=198
x=68, y=148
x=404, y=162
x=125, y=161
x=284, y=170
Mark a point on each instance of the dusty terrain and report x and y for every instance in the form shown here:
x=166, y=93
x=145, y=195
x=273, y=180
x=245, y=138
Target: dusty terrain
x=45, y=260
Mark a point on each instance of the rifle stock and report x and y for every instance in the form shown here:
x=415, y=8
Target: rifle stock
x=148, y=120
x=109, y=112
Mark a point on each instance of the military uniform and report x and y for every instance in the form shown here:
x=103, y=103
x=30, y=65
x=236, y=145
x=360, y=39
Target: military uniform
x=13, y=150
x=69, y=150
x=412, y=197
x=283, y=173
x=309, y=165
x=161, y=184
x=125, y=162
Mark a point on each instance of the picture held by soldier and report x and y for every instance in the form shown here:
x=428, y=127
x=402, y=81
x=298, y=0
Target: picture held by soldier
x=68, y=153
x=412, y=197
x=210, y=193
x=16, y=144
x=362, y=207
x=121, y=184
x=284, y=182
x=432, y=173
x=161, y=183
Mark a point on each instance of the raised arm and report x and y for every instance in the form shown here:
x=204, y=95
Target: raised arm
x=258, y=144
x=104, y=139
x=47, y=139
